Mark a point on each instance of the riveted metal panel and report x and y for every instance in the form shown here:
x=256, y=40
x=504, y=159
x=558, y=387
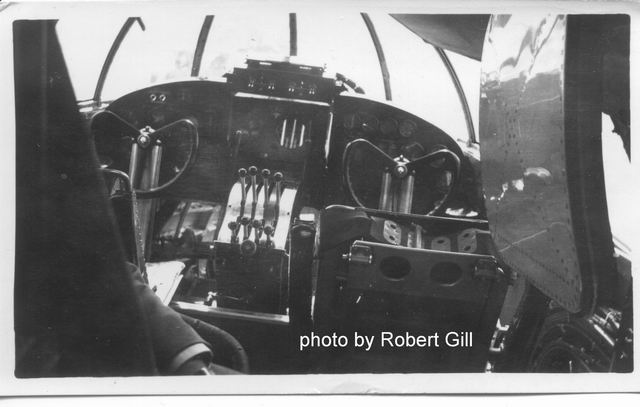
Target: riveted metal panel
x=523, y=153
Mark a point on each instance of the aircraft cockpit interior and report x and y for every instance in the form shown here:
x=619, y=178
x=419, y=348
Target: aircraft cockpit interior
x=290, y=204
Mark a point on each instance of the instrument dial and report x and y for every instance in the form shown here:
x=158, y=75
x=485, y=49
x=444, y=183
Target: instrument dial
x=407, y=128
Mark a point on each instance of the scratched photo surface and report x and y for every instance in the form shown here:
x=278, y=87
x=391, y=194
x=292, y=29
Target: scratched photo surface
x=218, y=190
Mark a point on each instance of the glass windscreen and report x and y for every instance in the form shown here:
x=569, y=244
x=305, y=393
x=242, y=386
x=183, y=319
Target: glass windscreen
x=162, y=49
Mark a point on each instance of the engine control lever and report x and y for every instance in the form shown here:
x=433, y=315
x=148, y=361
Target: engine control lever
x=245, y=227
x=278, y=191
x=268, y=231
x=234, y=231
x=253, y=171
x=265, y=188
x=256, y=227
x=242, y=173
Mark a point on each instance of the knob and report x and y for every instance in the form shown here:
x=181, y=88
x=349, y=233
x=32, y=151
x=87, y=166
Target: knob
x=233, y=226
x=268, y=231
x=248, y=247
x=257, y=227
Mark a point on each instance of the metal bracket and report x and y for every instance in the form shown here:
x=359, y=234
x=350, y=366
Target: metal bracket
x=359, y=254
x=487, y=269
x=498, y=339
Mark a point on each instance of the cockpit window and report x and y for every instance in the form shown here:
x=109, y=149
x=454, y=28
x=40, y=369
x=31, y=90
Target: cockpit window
x=420, y=82
x=342, y=42
x=236, y=35
x=468, y=71
x=84, y=54
x=162, y=52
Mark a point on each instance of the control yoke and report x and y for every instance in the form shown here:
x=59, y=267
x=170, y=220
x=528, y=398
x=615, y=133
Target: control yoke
x=147, y=143
x=399, y=175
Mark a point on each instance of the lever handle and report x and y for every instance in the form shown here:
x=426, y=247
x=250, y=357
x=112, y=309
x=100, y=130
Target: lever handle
x=233, y=226
x=242, y=173
x=268, y=231
x=278, y=186
x=253, y=171
x=266, y=174
x=244, y=221
x=256, y=227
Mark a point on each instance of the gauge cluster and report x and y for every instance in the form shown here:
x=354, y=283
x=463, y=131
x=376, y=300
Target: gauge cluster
x=283, y=80
x=367, y=123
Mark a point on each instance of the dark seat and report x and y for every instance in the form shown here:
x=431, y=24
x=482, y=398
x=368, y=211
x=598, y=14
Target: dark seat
x=76, y=312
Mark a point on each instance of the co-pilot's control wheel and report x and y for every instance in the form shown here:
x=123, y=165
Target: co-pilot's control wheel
x=154, y=159
x=400, y=176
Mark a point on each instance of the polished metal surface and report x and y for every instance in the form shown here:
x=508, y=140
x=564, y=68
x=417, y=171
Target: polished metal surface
x=522, y=135
x=220, y=312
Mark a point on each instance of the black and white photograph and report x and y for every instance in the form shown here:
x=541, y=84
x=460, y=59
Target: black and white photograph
x=361, y=197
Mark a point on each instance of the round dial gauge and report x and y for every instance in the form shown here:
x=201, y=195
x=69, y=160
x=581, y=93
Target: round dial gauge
x=407, y=128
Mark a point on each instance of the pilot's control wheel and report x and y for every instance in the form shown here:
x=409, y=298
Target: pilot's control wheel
x=165, y=153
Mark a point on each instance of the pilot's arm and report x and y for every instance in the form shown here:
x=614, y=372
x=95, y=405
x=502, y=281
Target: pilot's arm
x=177, y=348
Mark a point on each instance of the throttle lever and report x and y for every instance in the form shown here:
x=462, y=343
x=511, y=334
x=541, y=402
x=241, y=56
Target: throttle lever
x=242, y=173
x=268, y=231
x=265, y=188
x=278, y=191
x=244, y=221
x=233, y=226
x=253, y=171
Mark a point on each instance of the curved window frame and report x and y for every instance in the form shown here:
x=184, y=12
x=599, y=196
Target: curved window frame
x=204, y=36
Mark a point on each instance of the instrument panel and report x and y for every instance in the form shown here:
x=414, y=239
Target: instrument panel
x=283, y=135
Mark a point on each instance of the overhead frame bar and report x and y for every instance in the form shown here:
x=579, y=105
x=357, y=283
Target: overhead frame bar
x=293, y=35
x=460, y=90
x=202, y=40
x=380, y=52
x=111, y=55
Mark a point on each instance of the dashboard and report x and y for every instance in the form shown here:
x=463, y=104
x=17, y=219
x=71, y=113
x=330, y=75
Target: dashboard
x=236, y=130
